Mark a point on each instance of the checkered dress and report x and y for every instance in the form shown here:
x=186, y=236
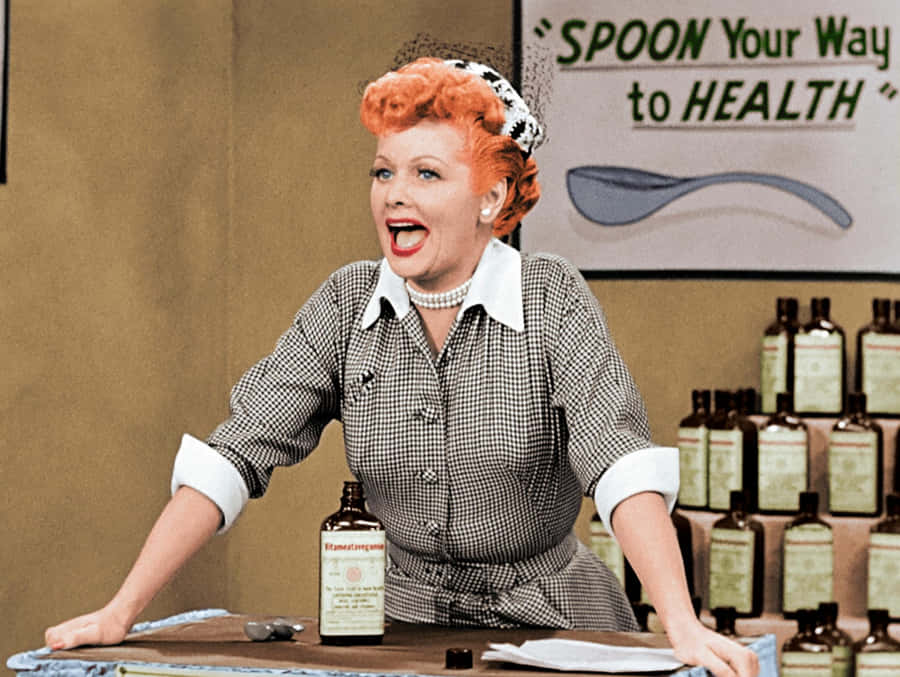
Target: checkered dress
x=475, y=460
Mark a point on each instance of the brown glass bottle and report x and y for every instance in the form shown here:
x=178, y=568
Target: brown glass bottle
x=807, y=558
x=877, y=653
x=725, y=620
x=806, y=653
x=878, y=361
x=884, y=560
x=693, y=452
x=841, y=643
x=820, y=364
x=736, y=560
x=746, y=402
x=777, y=354
x=783, y=459
x=855, y=462
x=732, y=454
x=351, y=573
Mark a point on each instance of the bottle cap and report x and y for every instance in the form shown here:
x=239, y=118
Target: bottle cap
x=809, y=501
x=458, y=658
x=700, y=398
x=747, y=400
x=856, y=403
x=879, y=617
x=784, y=402
x=821, y=306
x=737, y=501
x=881, y=309
x=787, y=307
x=828, y=613
x=806, y=620
x=725, y=617
x=724, y=400
x=892, y=504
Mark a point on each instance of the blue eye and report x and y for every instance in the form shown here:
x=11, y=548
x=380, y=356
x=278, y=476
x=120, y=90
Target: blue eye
x=380, y=173
x=428, y=174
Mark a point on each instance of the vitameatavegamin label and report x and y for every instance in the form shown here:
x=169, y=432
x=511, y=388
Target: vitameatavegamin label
x=351, y=598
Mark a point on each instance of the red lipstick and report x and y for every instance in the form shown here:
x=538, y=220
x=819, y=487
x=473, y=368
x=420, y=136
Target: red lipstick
x=395, y=225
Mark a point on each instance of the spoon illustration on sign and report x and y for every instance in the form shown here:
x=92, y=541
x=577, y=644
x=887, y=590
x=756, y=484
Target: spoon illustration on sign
x=617, y=196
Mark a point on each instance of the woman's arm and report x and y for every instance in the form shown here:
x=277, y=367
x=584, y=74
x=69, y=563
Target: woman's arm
x=644, y=530
x=186, y=523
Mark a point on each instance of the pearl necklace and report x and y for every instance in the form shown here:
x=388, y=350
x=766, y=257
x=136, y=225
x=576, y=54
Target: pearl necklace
x=444, y=299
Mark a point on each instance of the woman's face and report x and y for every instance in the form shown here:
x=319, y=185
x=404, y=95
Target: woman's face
x=428, y=219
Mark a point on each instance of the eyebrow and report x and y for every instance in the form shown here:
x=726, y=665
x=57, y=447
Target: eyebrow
x=418, y=158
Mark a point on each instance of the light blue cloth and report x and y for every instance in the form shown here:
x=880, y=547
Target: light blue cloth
x=33, y=663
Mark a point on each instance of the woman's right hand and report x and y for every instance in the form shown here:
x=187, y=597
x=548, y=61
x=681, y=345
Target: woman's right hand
x=103, y=626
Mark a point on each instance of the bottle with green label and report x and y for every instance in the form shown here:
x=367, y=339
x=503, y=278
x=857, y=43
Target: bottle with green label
x=807, y=558
x=351, y=573
x=693, y=452
x=855, y=462
x=607, y=549
x=877, y=654
x=841, y=643
x=783, y=459
x=806, y=654
x=884, y=560
x=732, y=454
x=878, y=361
x=820, y=364
x=736, y=560
x=777, y=353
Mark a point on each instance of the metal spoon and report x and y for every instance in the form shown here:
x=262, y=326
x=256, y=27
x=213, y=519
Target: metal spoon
x=615, y=196
x=279, y=629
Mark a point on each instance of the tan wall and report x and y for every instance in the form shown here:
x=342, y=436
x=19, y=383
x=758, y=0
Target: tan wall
x=182, y=175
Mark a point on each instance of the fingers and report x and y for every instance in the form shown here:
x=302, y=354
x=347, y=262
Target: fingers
x=740, y=661
x=85, y=629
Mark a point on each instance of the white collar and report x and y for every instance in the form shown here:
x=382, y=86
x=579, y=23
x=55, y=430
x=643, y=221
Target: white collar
x=496, y=285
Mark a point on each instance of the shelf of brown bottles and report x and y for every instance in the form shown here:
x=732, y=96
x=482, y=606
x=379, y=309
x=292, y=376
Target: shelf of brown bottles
x=851, y=540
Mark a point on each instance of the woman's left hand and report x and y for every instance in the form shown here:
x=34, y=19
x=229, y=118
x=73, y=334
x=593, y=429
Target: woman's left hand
x=696, y=644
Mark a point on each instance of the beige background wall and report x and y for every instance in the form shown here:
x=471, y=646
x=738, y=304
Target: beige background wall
x=182, y=175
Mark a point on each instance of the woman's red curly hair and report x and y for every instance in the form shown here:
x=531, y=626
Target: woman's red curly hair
x=428, y=88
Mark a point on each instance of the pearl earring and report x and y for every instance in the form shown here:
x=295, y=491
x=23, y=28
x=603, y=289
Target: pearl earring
x=485, y=212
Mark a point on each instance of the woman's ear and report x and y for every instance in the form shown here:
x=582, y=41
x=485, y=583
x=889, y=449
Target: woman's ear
x=492, y=201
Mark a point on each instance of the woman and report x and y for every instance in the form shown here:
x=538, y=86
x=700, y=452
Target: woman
x=480, y=394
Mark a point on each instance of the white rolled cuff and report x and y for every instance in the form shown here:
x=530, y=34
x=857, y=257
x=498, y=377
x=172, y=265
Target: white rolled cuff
x=201, y=467
x=651, y=469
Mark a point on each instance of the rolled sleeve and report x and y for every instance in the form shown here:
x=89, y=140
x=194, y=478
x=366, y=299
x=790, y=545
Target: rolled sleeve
x=650, y=469
x=202, y=468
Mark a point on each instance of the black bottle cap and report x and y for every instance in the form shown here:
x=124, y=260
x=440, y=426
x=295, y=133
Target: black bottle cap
x=784, y=402
x=828, y=613
x=806, y=620
x=786, y=306
x=892, y=504
x=881, y=309
x=724, y=400
x=809, y=502
x=725, y=618
x=458, y=658
x=821, y=306
x=747, y=401
x=878, y=618
x=737, y=501
x=856, y=403
x=700, y=398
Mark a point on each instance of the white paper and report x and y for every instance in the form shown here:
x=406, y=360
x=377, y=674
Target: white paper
x=578, y=656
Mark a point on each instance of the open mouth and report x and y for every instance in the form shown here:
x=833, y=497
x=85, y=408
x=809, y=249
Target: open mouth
x=407, y=237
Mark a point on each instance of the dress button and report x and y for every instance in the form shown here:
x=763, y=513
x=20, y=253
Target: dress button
x=429, y=476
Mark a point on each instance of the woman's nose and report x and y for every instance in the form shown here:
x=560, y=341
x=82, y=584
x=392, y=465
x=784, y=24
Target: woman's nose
x=396, y=194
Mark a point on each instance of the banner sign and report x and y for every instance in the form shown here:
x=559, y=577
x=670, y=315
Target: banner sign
x=716, y=135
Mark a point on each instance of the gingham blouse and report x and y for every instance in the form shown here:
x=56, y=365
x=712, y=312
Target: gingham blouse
x=476, y=459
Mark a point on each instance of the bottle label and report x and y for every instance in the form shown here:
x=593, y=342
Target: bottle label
x=731, y=569
x=773, y=368
x=881, y=664
x=692, y=460
x=853, y=471
x=726, y=466
x=841, y=661
x=881, y=372
x=351, y=598
x=805, y=664
x=783, y=469
x=818, y=373
x=808, y=575
x=884, y=572
x=605, y=547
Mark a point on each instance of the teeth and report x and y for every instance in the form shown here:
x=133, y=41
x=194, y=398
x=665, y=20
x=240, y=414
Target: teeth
x=409, y=238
